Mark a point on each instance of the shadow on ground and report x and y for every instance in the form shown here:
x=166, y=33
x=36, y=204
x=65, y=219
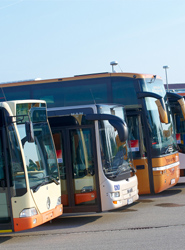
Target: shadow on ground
x=4, y=239
x=166, y=193
x=129, y=208
x=63, y=222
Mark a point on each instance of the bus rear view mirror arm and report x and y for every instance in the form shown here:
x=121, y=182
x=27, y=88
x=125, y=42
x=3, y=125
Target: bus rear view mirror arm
x=115, y=121
x=29, y=133
x=175, y=97
x=159, y=102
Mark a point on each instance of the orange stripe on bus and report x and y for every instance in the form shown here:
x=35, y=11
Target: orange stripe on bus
x=85, y=197
x=166, y=160
x=36, y=220
x=79, y=77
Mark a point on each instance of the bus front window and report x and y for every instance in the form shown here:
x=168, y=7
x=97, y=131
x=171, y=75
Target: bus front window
x=163, y=139
x=162, y=135
x=179, y=125
x=116, y=161
x=40, y=156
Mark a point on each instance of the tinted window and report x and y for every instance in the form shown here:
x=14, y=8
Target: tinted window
x=16, y=93
x=18, y=174
x=123, y=91
x=155, y=86
x=71, y=93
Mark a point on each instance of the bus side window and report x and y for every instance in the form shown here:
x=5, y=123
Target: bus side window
x=1, y=169
x=136, y=137
x=1, y=163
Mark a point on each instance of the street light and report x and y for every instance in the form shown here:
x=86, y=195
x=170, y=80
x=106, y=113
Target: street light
x=113, y=63
x=166, y=67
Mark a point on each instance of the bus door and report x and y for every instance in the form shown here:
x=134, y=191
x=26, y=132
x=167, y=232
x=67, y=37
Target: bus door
x=138, y=147
x=78, y=169
x=6, y=224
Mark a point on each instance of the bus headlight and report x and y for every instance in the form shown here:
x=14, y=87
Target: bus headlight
x=28, y=212
x=59, y=201
x=115, y=194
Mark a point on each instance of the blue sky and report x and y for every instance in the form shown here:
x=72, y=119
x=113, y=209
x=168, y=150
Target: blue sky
x=61, y=38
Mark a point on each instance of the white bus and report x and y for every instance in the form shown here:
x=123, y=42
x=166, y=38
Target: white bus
x=30, y=192
x=95, y=162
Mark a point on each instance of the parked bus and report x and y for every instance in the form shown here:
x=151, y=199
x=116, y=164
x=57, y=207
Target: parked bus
x=96, y=169
x=152, y=136
x=29, y=177
x=176, y=100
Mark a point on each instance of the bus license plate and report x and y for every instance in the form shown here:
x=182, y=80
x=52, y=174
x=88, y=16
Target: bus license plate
x=172, y=181
x=129, y=201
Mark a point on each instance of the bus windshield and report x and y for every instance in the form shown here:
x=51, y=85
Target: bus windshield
x=116, y=156
x=40, y=156
x=179, y=125
x=163, y=138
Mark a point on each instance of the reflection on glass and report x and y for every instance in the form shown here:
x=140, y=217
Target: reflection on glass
x=40, y=156
x=18, y=174
x=115, y=154
x=4, y=206
x=59, y=145
x=163, y=135
x=2, y=173
x=83, y=166
x=180, y=128
x=136, y=137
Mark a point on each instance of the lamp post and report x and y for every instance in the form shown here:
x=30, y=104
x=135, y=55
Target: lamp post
x=113, y=63
x=166, y=67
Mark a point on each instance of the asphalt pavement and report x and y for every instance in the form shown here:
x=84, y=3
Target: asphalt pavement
x=153, y=222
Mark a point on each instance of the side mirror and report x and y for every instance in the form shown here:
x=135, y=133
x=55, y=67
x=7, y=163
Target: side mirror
x=29, y=131
x=162, y=112
x=122, y=129
x=182, y=104
x=175, y=97
x=115, y=121
x=159, y=102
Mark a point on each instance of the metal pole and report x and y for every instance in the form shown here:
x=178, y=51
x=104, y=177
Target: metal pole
x=166, y=67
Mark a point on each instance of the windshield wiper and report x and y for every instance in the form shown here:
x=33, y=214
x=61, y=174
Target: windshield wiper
x=132, y=167
x=120, y=170
x=168, y=149
x=53, y=179
x=36, y=188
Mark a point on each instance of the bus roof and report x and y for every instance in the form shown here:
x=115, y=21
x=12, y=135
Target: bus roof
x=79, y=77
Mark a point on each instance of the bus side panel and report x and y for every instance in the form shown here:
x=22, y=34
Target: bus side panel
x=34, y=221
x=50, y=191
x=143, y=176
x=182, y=168
x=25, y=202
x=166, y=172
x=128, y=190
x=85, y=197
